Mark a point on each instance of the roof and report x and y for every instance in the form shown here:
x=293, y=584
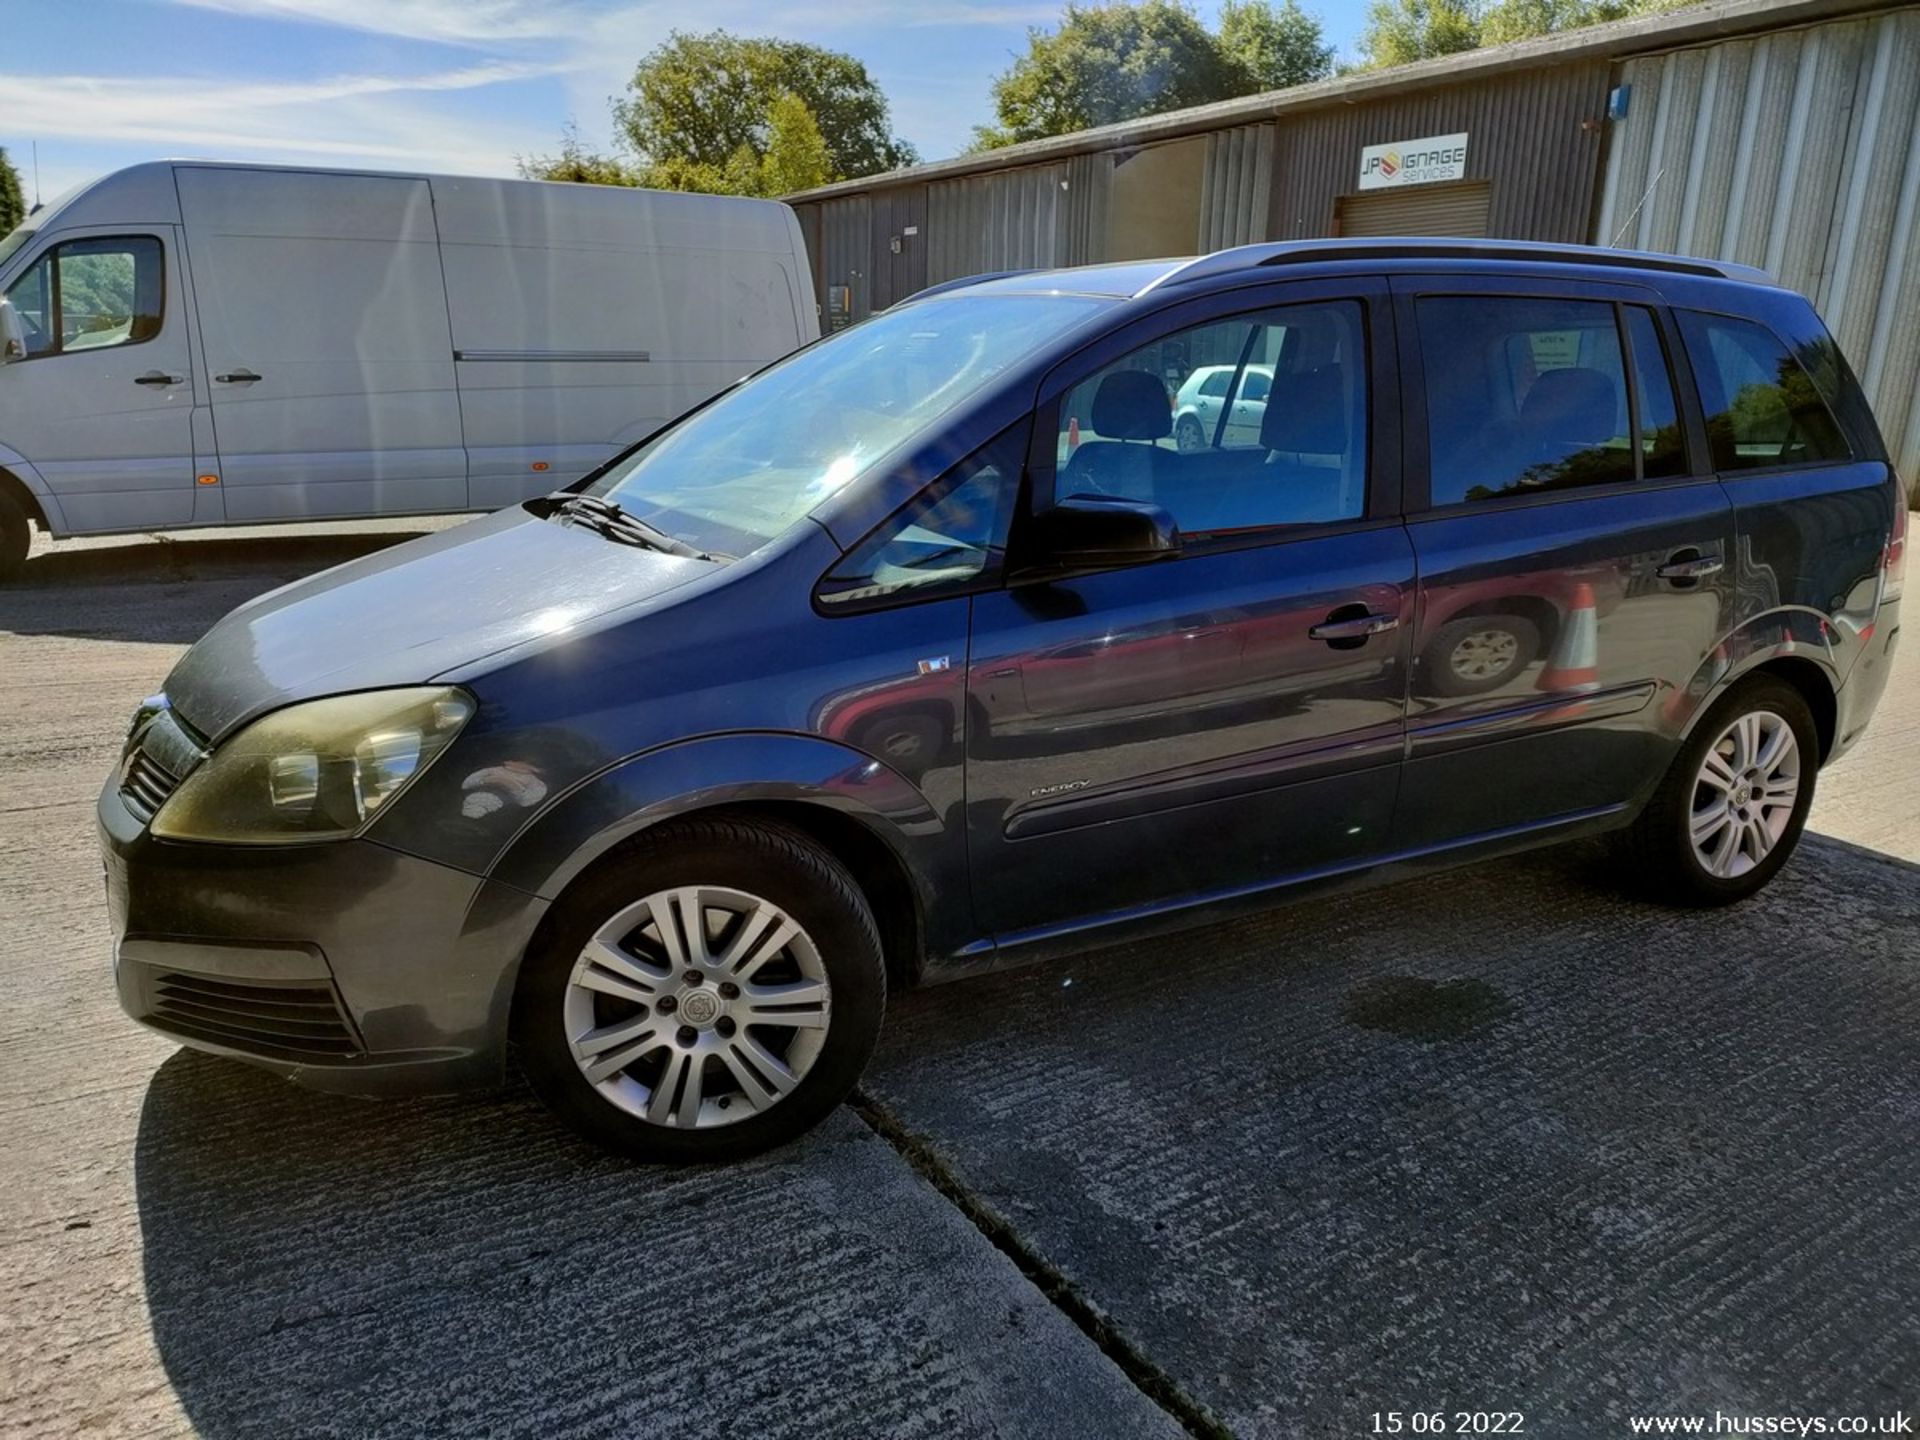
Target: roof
x=1670, y=30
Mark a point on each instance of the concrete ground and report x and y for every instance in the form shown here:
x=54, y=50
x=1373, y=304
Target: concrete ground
x=1498, y=1140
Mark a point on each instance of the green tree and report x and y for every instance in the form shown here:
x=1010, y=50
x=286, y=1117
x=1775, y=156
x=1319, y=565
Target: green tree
x=13, y=200
x=695, y=100
x=1121, y=60
x=574, y=162
x=1276, y=46
x=796, y=156
x=1398, y=32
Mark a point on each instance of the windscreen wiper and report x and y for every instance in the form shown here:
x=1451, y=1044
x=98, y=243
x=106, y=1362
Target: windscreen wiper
x=608, y=519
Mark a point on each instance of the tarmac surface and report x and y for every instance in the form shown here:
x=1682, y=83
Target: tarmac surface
x=1498, y=1140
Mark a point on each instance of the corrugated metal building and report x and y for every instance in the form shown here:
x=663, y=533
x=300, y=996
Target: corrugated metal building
x=1784, y=135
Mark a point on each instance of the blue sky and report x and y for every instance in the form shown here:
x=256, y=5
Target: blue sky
x=451, y=85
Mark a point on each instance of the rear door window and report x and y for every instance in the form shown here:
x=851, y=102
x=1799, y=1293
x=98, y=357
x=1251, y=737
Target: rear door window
x=1524, y=394
x=1763, y=408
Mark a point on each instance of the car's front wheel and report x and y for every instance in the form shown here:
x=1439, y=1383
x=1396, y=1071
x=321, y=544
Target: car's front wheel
x=1730, y=810
x=16, y=536
x=712, y=992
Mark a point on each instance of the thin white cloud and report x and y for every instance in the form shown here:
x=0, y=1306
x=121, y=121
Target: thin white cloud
x=351, y=119
x=458, y=22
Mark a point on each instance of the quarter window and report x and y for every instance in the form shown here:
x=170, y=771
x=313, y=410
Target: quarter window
x=1763, y=407
x=91, y=295
x=1290, y=449
x=952, y=537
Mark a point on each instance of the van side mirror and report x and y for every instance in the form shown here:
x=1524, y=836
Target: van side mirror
x=1104, y=530
x=13, y=335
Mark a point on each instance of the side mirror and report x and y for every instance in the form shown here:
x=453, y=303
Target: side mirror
x=13, y=335
x=1105, y=530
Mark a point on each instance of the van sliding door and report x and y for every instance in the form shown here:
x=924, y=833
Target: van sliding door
x=324, y=320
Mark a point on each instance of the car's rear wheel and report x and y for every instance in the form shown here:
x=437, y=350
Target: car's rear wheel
x=713, y=992
x=1189, y=436
x=1731, y=808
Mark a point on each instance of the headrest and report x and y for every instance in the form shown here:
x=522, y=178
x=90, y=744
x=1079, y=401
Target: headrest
x=1307, y=413
x=1572, y=405
x=1132, y=405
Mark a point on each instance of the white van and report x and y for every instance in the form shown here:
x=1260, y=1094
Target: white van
x=191, y=344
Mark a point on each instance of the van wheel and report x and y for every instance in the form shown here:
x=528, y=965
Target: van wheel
x=1732, y=805
x=16, y=536
x=715, y=991
x=1478, y=653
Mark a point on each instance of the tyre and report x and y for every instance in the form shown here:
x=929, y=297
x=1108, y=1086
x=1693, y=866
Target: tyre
x=1478, y=653
x=16, y=536
x=1189, y=436
x=713, y=992
x=1730, y=809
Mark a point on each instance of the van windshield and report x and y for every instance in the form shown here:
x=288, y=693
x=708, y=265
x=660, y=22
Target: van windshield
x=12, y=241
x=739, y=472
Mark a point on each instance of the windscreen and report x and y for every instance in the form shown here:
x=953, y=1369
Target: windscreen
x=12, y=241
x=732, y=476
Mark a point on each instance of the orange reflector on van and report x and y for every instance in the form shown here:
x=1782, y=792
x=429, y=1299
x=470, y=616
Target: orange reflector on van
x=541, y=465
x=206, y=479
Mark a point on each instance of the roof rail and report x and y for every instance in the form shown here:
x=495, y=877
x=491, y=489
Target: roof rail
x=1300, y=252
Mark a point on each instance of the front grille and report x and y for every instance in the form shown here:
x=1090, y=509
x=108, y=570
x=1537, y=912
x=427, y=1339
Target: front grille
x=277, y=1020
x=145, y=785
x=161, y=752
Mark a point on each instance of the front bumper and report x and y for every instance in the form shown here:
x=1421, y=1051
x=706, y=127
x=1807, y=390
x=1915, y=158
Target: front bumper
x=346, y=966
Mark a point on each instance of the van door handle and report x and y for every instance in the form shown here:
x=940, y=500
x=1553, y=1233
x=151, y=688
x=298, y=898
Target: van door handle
x=1687, y=566
x=157, y=377
x=1345, y=630
x=237, y=377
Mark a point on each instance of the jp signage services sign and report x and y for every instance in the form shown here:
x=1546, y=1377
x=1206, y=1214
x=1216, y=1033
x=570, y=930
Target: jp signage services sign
x=1414, y=162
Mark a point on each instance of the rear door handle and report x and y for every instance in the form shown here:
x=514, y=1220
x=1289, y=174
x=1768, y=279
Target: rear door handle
x=158, y=377
x=1352, y=629
x=237, y=377
x=1689, y=565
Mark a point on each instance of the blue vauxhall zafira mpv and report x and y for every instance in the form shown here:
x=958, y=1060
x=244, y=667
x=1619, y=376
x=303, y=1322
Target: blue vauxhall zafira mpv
x=971, y=634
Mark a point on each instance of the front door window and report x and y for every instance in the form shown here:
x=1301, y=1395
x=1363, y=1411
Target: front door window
x=91, y=294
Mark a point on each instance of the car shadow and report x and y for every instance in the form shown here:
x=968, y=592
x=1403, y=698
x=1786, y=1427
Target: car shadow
x=168, y=590
x=316, y=1264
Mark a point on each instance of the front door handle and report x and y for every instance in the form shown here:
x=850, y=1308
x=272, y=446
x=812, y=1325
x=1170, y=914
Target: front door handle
x=1687, y=566
x=237, y=377
x=1344, y=630
x=158, y=377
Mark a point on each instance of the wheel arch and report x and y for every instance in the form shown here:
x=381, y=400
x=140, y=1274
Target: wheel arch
x=17, y=489
x=865, y=815
x=1815, y=688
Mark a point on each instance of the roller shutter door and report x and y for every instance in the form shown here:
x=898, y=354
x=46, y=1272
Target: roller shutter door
x=1416, y=210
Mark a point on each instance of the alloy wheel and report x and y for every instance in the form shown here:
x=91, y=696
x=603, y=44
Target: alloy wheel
x=1744, y=794
x=697, y=1007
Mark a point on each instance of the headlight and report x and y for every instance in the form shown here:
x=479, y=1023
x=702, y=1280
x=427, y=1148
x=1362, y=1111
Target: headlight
x=318, y=771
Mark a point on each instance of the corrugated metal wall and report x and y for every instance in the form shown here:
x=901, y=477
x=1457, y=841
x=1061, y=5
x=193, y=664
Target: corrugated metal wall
x=898, y=265
x=1236, y=195
x=1524, y=134
x=842, y=259
x=1089, y=203
x=1798, y=152
x=1006, y=220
